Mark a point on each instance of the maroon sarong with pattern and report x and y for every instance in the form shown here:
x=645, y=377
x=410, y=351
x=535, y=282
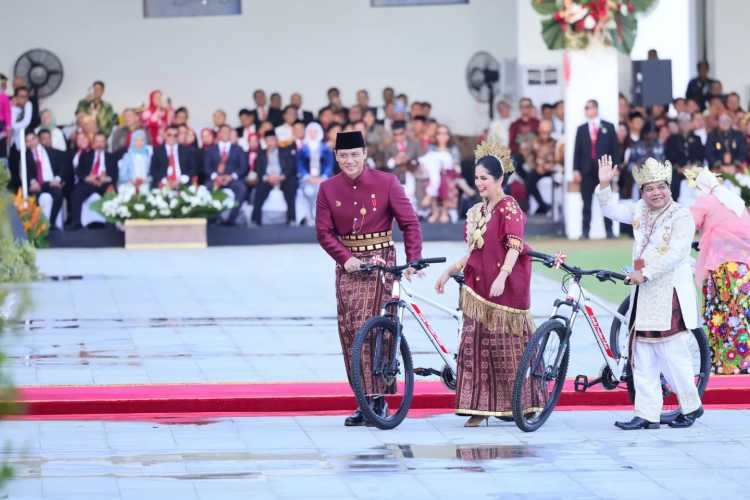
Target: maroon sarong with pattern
x=487, y=365
x=359, y=296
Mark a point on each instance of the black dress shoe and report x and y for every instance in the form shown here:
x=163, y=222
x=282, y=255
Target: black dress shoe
x=355, y=419
x=683, y=421
x=543, y=209
x=637, y=423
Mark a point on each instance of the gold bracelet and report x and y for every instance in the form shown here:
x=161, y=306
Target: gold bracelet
x=507, y=269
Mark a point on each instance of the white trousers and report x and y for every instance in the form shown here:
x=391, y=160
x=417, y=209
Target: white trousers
x=670, y=357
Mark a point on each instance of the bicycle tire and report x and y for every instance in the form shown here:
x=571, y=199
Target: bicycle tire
x=547, y=328
x=704, y=364
x=398, y=416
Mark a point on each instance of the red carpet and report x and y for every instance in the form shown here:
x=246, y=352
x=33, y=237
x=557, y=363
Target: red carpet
x=125, y=401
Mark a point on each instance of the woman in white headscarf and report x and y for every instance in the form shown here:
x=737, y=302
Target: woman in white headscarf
x=314, y=165
x=136, y=162
x=48, y=122
x=723, y=270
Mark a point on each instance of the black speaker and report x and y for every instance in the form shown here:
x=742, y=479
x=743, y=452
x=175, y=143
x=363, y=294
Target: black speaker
x=652, y=82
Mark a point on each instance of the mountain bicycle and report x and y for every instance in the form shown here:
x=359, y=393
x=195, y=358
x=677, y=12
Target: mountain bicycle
x=544, y=362
x=380, y=348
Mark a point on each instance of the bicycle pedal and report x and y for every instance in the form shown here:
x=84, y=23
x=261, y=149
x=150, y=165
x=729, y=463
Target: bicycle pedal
x=581, y=383
x=426, y=372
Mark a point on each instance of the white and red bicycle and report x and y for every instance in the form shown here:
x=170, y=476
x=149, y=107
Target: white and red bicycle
x=544, y=363
x=380, y=348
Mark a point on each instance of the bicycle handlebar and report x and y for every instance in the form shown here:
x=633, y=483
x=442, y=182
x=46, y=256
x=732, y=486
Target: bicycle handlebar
x=418, y=265
x=550, y=261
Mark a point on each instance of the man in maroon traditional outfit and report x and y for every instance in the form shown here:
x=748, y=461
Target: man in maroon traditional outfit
x=355, y=212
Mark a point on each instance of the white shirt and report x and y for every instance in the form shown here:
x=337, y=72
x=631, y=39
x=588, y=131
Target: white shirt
x=702, y=134
x=47, y=174
x=499, y=130
x=243, y=142
x=558, y=128
x=224, y=147
x=20, y=126
x=596, y=123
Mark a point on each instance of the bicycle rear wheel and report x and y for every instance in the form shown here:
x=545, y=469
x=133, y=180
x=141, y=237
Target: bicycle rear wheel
x=382, y=369
x=700, y=357
x=541, y=375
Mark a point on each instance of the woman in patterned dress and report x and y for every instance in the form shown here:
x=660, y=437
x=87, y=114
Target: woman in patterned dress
x=723, y=271
x=495, y=297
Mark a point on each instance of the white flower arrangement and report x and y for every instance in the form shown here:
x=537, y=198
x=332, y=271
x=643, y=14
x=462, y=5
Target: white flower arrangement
x=162, y=203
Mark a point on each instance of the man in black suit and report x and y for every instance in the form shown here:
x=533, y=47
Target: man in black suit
x=58, y=157
x=594, y=139
x=225, y=166
x=246, y=128
x=334, y=102
x=97, y=171
x=724, y=139
x=43, y=173
x=172, y=164
x=302, y=114
x=683, y=149
x=363, y=100
x=276, y=167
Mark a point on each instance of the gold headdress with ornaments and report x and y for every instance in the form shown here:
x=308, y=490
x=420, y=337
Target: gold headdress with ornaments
x=653, y=170
x=497, y=151
x=691, y=175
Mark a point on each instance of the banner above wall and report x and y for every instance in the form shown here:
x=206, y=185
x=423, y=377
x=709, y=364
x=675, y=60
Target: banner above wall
x=410, y=3
x=191, y=8
x=574, y=23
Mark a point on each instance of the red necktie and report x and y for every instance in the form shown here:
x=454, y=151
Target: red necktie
x=97, y=164
x=594, y=136
x=172, y=169
x=224, y=155
x=39, y=169
x=401, y=147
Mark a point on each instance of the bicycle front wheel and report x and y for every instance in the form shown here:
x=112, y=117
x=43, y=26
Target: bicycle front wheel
x=541, y=375
x=381, y=369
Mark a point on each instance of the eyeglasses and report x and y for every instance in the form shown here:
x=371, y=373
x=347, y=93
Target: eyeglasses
x=172, y=135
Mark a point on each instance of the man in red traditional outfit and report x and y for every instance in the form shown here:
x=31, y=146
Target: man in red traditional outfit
x=355, y=212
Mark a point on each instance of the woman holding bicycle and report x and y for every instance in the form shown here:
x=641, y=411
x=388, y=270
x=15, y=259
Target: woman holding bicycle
x=495, y=298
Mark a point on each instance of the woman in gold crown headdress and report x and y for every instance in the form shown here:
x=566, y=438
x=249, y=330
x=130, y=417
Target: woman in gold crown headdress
x=495, y=297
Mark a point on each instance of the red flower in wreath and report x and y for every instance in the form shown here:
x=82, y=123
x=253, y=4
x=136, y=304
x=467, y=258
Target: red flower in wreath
x=599, y=9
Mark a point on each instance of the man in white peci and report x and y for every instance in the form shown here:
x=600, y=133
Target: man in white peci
x=663, y=302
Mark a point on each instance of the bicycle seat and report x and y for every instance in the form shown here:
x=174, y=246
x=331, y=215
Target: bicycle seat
x=458, y=277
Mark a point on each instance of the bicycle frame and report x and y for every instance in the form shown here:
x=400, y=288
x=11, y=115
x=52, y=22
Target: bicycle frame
x=404, y=299
x=579, y=301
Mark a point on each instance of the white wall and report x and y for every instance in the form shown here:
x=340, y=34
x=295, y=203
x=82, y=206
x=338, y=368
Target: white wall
x=669, y=27
x=279, y=45
x=728, y=41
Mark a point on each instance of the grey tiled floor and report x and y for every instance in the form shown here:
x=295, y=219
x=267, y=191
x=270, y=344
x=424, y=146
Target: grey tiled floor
x=575, y=455
x=231, y=314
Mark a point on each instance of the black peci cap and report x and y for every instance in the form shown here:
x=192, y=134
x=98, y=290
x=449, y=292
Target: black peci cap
x=350, y=140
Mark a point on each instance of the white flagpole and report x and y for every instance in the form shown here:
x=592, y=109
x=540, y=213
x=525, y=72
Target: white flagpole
x=22, y=149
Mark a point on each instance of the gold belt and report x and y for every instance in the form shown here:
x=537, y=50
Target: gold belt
x=367, y=242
